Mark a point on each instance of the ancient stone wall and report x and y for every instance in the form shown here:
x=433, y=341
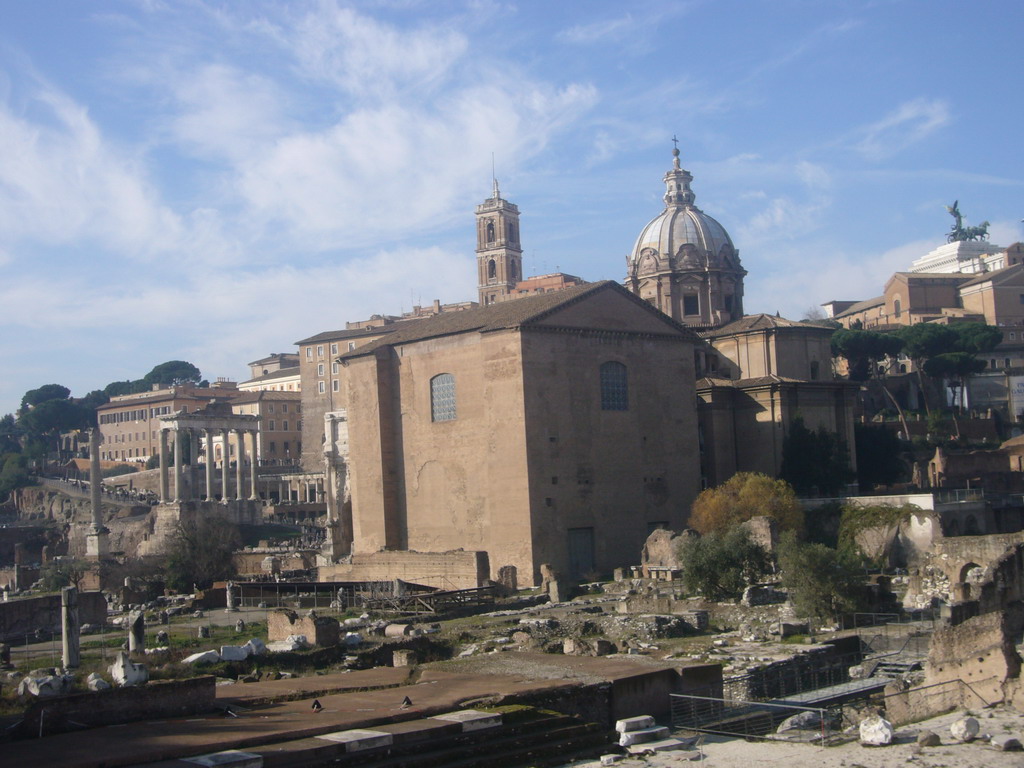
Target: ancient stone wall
x=250, y=562
x=980, y=652
x=21, y=617
x=318, y=630
x=447, y=570
x=157, y=700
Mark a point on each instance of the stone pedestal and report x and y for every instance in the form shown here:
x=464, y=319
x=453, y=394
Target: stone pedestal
x=97, y=544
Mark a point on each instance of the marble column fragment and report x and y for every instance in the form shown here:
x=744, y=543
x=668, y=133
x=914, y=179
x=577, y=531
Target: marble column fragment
x=70, y=628
x=136, y=632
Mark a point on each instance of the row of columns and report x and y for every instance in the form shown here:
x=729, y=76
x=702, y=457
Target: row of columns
x=180, y=491
x=310, y=492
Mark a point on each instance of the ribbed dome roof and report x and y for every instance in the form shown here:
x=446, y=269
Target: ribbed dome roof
x=683, y=223
x=677, y=226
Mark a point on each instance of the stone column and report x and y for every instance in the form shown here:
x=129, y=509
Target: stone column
x=136, y=632
x=254, y=493
x=240, y=464
x=193, y=463
x=69, y=628
x=280, y=492
x=178, y=495
x=225, y=461
x=164, y=489
x=95, y=477
x=209, y=464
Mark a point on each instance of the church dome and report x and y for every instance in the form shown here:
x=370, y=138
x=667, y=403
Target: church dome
x=681, y=236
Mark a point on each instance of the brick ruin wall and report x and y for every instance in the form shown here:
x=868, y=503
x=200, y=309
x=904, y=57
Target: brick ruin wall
x=458, y=569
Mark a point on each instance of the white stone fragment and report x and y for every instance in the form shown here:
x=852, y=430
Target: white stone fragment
x=643, y=736
x=203, y=657
x=876, y=732
x=234, y=652
x=256, y=647
x=965, y=729
x=125, y=673
x=471, y=719
x=634, y=723
x=357, y=740
x=96, y=683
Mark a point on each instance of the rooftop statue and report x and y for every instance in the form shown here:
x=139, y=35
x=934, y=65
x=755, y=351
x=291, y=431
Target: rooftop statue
x=959, y=232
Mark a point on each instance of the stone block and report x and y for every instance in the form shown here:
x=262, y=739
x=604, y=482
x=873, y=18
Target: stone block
x=876, y=732
x=358, y=740
x=256, y=647
x=805, y=721
x=96, y=683
x=353, y=639
x=125, y=673
x=404, y=658
x=637, y=723
x=45, y=686
x=964, y=729
x=203, y=657
x=234, y=653
x=232, y=757
x=663, y=745
x=1006, y=742
x=398, y=630
x=643, y=736
x=471, y=719
x=790, y=628
x=928, y=739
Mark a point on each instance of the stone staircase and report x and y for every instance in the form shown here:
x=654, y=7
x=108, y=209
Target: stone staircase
x=518, y=736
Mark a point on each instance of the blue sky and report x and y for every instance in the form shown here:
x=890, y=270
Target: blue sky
x=214, y=181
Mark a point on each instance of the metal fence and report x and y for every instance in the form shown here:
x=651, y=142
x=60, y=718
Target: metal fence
x=749, y=719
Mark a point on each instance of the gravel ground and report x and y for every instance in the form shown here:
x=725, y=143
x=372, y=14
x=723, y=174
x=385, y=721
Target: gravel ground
x=719, y=751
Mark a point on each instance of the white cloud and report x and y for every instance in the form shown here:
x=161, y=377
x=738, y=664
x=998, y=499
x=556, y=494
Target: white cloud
x=368, y=58
x=597, y=31
x=62, y=182
x=908, y=124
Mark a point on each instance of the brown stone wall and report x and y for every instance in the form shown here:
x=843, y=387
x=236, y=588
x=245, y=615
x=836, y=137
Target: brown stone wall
x=447, y=570
x=251, y=563
x=438, y=486
x=618, y=473
x=321, y=631
x=21, y=617
x=980, y=652
x=156, y=700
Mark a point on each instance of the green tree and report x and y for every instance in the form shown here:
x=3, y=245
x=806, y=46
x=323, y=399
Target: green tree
x=957, y=367
x=64, y=572
x=173, y=372
x=815, y=462
x=863, y=349
x=10, y=435
x=13, y=473
x=821, y=581
x=721, y=565
x=199, y=553
x=743, y=496
x=46, y=392
x=879, y=459
x=45, y=422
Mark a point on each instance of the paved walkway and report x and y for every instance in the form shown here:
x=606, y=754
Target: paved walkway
x=143, y=742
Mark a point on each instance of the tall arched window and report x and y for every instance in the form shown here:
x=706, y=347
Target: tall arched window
x=442, y=397
x=492, y=270
x=490, y=231
x=614, y=387
x=513, y=271
x=897, y=307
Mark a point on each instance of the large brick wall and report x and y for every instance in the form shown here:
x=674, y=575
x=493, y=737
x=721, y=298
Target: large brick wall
x=447, y=570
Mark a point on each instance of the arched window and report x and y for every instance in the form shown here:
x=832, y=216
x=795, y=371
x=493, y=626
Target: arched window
x=442, y=397
x=897, y=307
x=513, y=271
x=614, y=387
x=492, y=270
x=490, y=231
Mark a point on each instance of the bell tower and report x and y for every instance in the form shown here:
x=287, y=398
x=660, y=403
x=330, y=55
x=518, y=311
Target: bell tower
x=499, y=255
